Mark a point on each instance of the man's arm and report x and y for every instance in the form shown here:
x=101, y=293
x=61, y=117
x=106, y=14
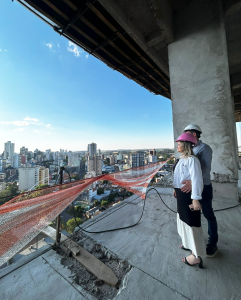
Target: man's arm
x=187, y=186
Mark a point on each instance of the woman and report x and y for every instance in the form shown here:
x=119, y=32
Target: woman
x=188, y=206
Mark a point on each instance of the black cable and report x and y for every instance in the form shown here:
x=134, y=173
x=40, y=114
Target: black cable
x=119, y=228
x=84, y=229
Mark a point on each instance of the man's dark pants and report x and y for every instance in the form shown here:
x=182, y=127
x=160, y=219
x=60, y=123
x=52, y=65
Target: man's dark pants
x=208, y=213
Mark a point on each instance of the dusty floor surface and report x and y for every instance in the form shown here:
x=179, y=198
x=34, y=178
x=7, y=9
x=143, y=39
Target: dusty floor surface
x=84, y=278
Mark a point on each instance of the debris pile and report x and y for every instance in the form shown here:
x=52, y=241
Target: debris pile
x=87, y=280
x=166, y=181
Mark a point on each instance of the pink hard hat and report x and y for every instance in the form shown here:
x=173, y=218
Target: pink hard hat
x=187, y=137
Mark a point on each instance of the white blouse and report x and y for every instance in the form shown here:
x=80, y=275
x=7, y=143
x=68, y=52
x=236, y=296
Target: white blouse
x=189, y=169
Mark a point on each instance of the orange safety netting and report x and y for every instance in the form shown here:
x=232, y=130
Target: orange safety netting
x=23, y=218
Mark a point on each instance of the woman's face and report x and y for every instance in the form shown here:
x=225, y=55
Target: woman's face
x=180, y=147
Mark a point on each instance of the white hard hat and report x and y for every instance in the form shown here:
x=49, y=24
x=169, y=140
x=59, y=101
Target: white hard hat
x=192, y=127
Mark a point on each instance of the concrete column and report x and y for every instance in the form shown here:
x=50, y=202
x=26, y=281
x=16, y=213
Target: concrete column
x=200, y=87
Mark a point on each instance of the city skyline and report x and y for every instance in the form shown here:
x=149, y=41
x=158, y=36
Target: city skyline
x=79, y=150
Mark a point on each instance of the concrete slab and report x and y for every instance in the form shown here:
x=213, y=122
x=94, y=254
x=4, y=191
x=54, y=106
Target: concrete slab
x=153, y=247
x=139, y=285
x=42, y=278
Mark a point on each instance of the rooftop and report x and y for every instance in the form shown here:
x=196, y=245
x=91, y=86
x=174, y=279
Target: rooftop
x=152, y=250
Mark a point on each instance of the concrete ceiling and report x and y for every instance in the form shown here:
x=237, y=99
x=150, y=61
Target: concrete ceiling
x=150, y=23
x=233, y=33
x=144, y=29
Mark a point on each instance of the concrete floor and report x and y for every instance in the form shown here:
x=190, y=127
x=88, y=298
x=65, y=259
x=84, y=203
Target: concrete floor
x=152, y=248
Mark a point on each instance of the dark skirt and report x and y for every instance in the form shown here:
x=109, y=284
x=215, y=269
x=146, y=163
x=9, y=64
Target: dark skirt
x=191, y=218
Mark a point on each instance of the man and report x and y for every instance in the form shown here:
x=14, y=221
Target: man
x=204, y=153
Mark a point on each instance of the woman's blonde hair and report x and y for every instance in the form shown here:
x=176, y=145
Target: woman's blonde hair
x=187, y=146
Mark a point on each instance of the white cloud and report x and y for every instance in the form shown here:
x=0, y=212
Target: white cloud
x=37, y=131
x=1, y=50
x=16, y=123
x=58, y=45
x=87, y=55
x=74, y=49
x=6, y=50
x=31, y=119
x=49, y=45
x=19, y=129
x=25, y=122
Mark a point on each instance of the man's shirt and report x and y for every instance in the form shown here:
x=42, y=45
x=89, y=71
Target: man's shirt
x=204, y=153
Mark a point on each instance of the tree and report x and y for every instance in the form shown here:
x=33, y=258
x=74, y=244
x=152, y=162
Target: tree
x=79, y=211
x=5, y=196
x=100, y=191
x=76, y=177
x=9, y=193
x=96, y=203
x=111, y=198
x=41, y=186
x=107, y=161
x=104, y=202
x=71, y=224
x=171, y=161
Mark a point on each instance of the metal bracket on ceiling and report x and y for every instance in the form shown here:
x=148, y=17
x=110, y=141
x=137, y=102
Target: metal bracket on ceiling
x=110, y=39
x=79, y=13
x=131, y=62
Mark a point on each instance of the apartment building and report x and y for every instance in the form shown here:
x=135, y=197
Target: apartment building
x=137, y=160
x=9, y=151
x=32, y=176
x=92, y=149
x=94, y=164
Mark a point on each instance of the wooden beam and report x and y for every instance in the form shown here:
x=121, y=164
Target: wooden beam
x=112, y=27
x=71, y=4
x=43, y=12
x=91, y=263
x=55, y=8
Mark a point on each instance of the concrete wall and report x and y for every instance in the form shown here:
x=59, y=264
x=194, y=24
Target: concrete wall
x=200, y=88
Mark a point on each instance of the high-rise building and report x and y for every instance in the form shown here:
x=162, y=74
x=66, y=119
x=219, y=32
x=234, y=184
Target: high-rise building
x=152, y=152
x=119, y=157
x=112, y=160
x=94, y=164
x=43, y=176
x=2, y=181
x=99, y=152
x=32, y=176
x=8, y=151
x=73, y=159
x=152, y=156
x=137, y=160
x=16, y=160
x=23, y=150
x=92, y=149
x=3, y=164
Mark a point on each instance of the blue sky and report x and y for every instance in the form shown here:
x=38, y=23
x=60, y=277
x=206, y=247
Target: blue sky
x=53, y=95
